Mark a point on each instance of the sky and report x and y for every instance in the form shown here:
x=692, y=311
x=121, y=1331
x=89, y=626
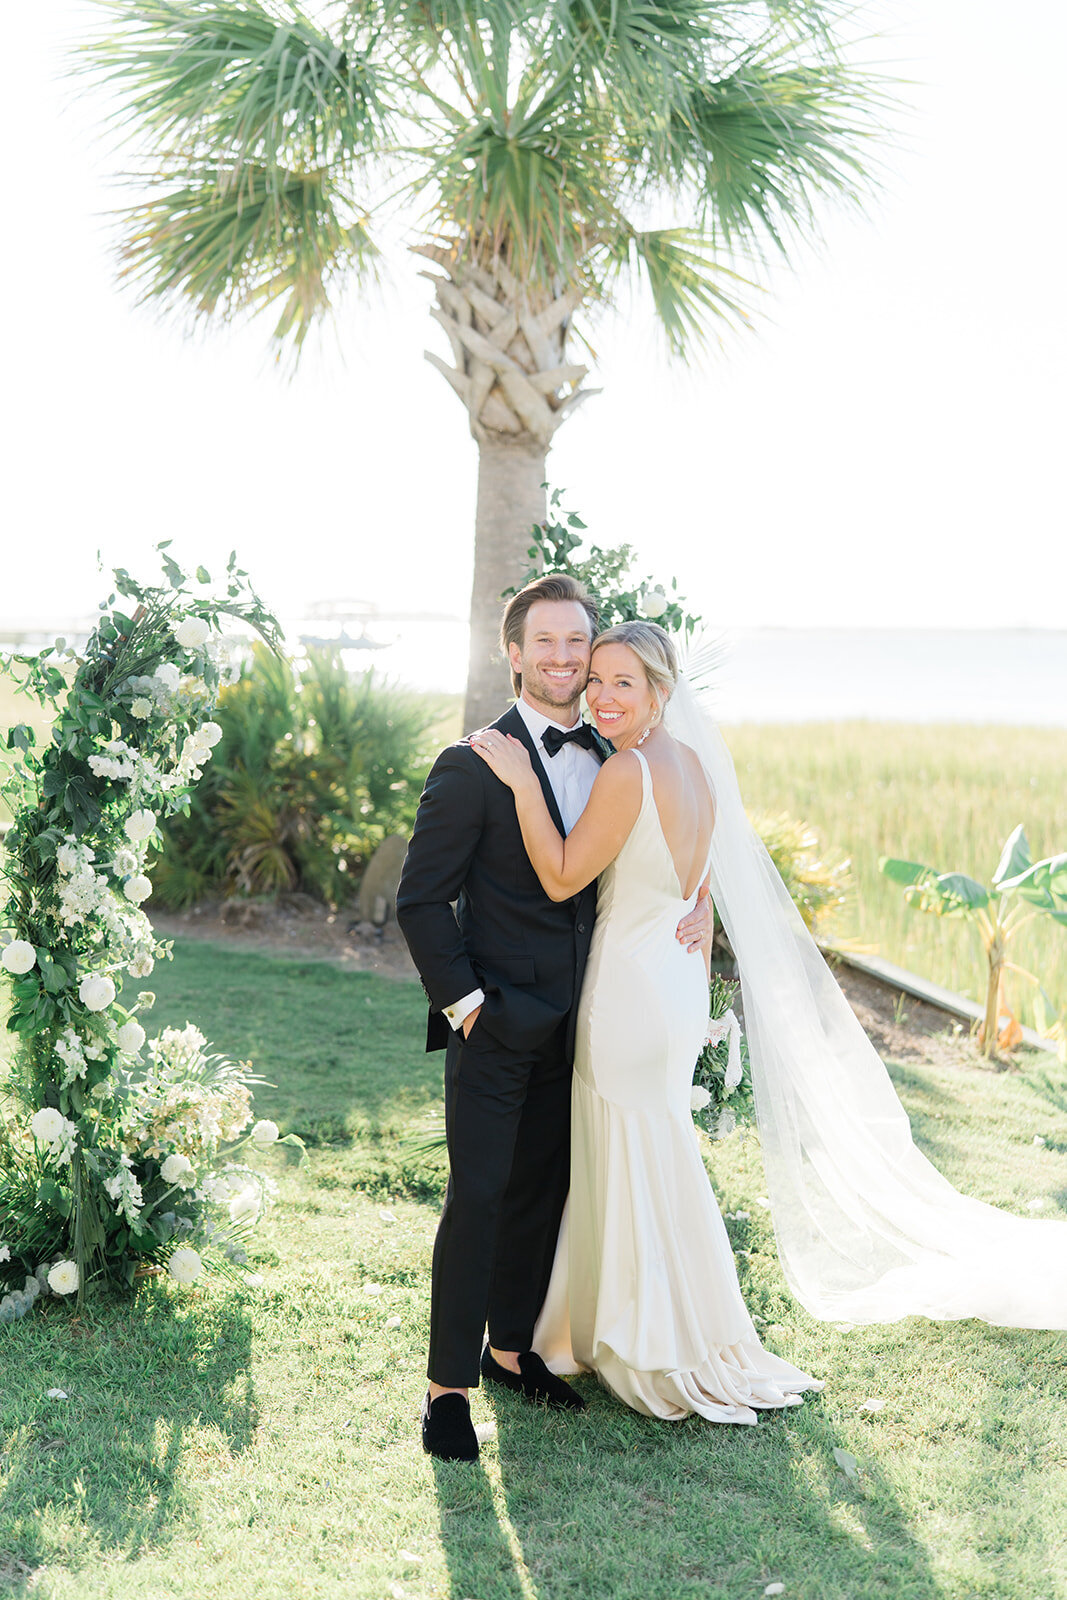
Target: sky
x=882, y=453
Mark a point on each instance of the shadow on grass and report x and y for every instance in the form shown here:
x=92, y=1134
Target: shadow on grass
x=103, y=1473
x=612, y=1503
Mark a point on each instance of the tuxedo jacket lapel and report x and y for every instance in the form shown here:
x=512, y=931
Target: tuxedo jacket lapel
x=511, y=722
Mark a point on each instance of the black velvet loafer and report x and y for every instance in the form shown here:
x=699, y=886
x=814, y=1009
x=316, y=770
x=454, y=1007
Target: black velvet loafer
x=533, y=1380
x=447, y=1430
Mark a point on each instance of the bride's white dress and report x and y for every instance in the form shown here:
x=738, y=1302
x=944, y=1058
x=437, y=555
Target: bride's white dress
x=644, y=1291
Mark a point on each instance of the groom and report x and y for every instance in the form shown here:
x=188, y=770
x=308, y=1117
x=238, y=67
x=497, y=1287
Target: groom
x=502, y=968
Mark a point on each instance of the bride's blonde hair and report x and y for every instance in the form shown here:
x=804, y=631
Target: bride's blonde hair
x=653, y=647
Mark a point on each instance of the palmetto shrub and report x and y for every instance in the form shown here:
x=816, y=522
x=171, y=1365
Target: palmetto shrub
x=314, y=768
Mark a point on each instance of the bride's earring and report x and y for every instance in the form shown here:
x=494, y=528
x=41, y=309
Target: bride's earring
x=643, y=737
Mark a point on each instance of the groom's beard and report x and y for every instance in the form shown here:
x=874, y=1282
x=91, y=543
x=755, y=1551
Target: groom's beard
x=556, y=695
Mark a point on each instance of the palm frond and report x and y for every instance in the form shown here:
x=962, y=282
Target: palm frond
x=247, y=80
x=763, y=143
x=221, y=245
x=691, y=291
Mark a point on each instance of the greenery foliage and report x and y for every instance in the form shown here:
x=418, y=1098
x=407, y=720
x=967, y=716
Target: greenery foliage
x=1021, y=891
x=607, y=574
x=722, y=1087
x=110, y=1162
x=314, y=768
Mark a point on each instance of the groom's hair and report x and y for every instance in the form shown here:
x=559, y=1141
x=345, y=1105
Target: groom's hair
x=553, y=586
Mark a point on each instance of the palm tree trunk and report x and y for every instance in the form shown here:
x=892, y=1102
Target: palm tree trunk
x=510, y=369
x=511, y=498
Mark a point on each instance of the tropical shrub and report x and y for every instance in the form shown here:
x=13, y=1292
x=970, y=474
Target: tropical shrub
x=314, y=767
x=1021, y=890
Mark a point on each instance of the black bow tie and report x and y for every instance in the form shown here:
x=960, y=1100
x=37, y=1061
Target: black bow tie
x=554, y=739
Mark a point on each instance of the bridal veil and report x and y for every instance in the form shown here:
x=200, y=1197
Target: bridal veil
x=867, y=1229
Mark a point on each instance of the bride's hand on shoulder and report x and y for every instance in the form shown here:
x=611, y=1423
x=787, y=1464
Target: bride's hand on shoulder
x=507, y=756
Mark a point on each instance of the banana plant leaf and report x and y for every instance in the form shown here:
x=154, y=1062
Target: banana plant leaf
x=1015, y=857
x=1044, y=884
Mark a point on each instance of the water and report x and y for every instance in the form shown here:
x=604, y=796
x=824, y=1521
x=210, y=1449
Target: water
x=1014, y=677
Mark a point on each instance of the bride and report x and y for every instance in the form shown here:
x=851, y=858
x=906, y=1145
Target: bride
x=644, y=1290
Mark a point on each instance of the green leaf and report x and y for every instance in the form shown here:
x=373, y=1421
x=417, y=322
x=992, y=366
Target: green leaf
x=848, y=1463
x=958, y=889
x=202, y=575
x=905, y=872
x=1015, y=857
x=1043, y=884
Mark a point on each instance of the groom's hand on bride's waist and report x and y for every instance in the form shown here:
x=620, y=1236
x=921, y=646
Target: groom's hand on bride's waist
x=695, y=931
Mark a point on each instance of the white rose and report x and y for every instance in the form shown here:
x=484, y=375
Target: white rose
x=168, y=677
x=18, y=957
x=142, y=965
x=190, y=632
x=653, y=603
x=137, y=888
x=176, y=1169
x=698, y=1097
x=63, y=1277
x=185, y=1265
x=141, y=708
x=47, y=1124
x=130, y=1037
x=208, y=733
x=264, y=1132
x=96, y=992
x=140, y=825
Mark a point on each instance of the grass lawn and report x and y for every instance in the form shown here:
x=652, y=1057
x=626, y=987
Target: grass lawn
x=222, y=1442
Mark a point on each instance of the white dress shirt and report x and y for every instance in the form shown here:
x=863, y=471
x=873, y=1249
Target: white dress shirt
x=571, y=772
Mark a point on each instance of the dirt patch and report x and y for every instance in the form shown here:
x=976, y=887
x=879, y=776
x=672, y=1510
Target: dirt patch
x=898, y=1025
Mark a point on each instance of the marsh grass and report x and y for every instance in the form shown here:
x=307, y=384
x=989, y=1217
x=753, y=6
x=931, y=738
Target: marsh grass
x=221, y=1443
x=946, y=796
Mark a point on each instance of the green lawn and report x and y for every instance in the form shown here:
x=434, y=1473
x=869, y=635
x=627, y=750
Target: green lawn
x=222, y=1442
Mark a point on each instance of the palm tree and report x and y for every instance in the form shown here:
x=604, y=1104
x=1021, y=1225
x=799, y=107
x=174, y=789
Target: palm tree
x=537, y=143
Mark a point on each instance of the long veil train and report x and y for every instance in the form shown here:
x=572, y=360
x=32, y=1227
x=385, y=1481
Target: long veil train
x=867, y=1229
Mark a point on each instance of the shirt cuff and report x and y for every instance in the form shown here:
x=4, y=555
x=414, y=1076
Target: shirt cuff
x=457, y=1014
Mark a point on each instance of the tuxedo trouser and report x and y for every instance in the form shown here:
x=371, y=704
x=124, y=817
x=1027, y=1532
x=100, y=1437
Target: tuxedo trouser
x=507, y=1118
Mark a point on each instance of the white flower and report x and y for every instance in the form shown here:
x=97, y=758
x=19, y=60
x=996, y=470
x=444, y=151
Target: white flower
x=5, y=1252
x=185, y=1265
x=124, y=863
x=190, y=632
x=18, y=957
x=178, y=1169
x=653, y=603
x=140, y=825
x=141, y=708
x=47, y=1124
x=63, y=1277
x=96, y=992
x=168, y=677
x=393, y=1322
x=142, y=965
x=725, y=1124
x=145, y=999
x=208, y=733
x=130, y=1037
x=137, y=888
x=264, y=1132
x=244, y=1207
x=1038, y=1139
x=698, y=1097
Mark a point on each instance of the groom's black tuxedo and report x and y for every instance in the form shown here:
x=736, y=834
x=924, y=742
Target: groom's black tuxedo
x=475, y=916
